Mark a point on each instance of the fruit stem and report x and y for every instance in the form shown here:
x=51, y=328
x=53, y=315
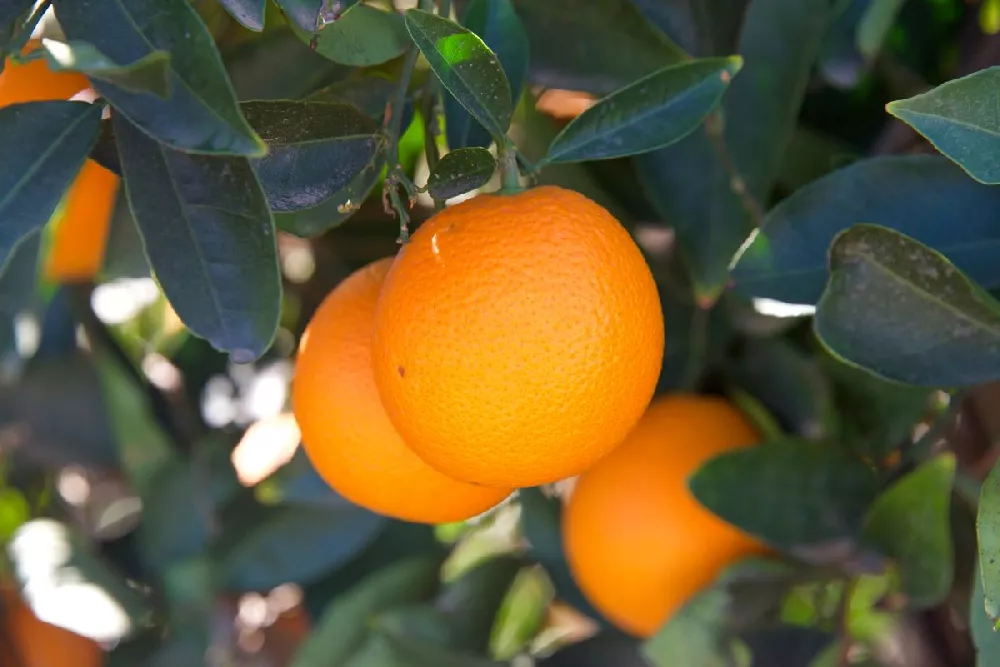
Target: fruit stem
x=510, y=182
x=392, y=126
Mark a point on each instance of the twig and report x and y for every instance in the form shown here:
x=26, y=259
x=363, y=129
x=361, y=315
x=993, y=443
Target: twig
x=737, y=182
x=392, y=126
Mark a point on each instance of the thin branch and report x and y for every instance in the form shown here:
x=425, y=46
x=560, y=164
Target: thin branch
x=737, y=182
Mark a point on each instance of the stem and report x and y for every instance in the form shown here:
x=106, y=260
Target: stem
x=22, y=36
x=510, y=182
x=737, y=182
x=445, y=8
x=393, y=127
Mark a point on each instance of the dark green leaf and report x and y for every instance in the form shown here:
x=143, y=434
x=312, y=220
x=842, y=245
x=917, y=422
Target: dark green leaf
x=201, y=114
x=268, y=546
x=984, y=634
x=413, y=644
x=472, y=602
x=370, y=93
x=210, y=238
x=149, y=74
x=988, y=532
x=695, y=635
x=600, y=651
x=496, y=22
x=878, y=19
x=688, y=182
x=341, y=631
x=18, y=291
x=466, y=67
x=249, y=13
x=787, y=645
x=959, y=117
x=362, y=37
x=701, y=27
x=903, y=311
x=310, y=15
x=579, y=45
x=651, y=113
x=175, y=515
x=12, y=15
x=45, y=144
x=460, y=171
x=315, y=149
x=791, y=493
x=923, y=196
x=910, y=523
x=298, y=483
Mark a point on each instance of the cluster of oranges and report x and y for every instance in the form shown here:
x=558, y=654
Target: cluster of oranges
x=514, y=341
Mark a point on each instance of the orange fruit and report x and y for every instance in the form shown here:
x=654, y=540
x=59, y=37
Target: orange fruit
x=345, y=431
x=518, y=338
x=564, y=105
x=78, y=245
x=28, y=641
x=638, y=543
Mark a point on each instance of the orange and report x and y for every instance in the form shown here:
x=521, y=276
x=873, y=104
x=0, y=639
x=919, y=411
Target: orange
x=77, y=251
x=27, y=641
x=345, y=431
x=564, y=105
x=518, y=338
x=638, y=543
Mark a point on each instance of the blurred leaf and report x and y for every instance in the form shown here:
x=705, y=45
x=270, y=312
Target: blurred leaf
x=959, y=118
x=466, y=67
x=343, y=627
x=18, y=293
x=903, y=311
x=210, y=238
x=923, y=196
x=654, y=112
x=14, y=511
x=148, y=74
x=910, y=523
x=176, y=512
x=878, y=19
x=315, y=149
x=472, y=602
x=45, y=144
x=601, y=650
x=363, y=36
x=297, y=482
x=701, y=27
x=263, y=547
x=787, y=645
x=201, y=114
x=249, y=13
x=415, y=642
x=497, y=23
x=461, y=171
x=579, y=45
x=695, y=635
x=791, y=493
x=988, y=533
x=12, y=15
x=688, y=182
x=278, y=66
x=190, y=591
x=522, y=614
x=984, y=635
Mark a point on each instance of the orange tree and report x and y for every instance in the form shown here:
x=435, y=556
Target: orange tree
x=787, y=224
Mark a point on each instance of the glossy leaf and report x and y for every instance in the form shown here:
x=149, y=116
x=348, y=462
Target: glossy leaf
x=45, y=144
x=959, y=118
x=497, y=23
x=910, y=522
x=984, y=634
x=149, y=74
x=904, y=312
x=466, y=67
x=695, y=635
x=371, y=94
x=314, y=150
x=249, y=13
x=461, y=171
x=791, y=493
x=341, y=631
x=210, y=239
x=988, y=534
x=651, y=113
x=363, y=36
x=201, y=114
x=923, y=196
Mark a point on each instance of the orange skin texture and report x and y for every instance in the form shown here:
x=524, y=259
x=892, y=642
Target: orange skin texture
x=345, y=431
x=36, y=643
x=638, y=543
x=518, y=338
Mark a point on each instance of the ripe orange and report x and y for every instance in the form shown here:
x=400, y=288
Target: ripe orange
x=345, y=431
x=518, y=338
x=638, y=543
x=77, y=251
x=28, y=641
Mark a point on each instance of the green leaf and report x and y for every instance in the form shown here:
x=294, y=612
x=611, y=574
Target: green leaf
x=263, y=547
x=791, y=493
x=210, y=239
x=341, y=631
x=984, y=634
x=695, y=635
x=692, y=187
x=910, y=522
x=904, y=312
x=249, y=13
x=701, y=27
x=370, y=93
x=298, y=483
x=654, y=112
x=414, y=641
x=522, y=614
x=201, y=114
x=923, y=196
x=959, y=118
x=472, y=602
x=18, y=292
x=315, y=150
x=466, y=67
x=988, y=533
x=12, y=15
x=599, y=651
x=310, y=15
x=45, y=144
x=149, y=74
x=497, y=23
x=362, y=37
x=875, y=24
x=461, y=171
